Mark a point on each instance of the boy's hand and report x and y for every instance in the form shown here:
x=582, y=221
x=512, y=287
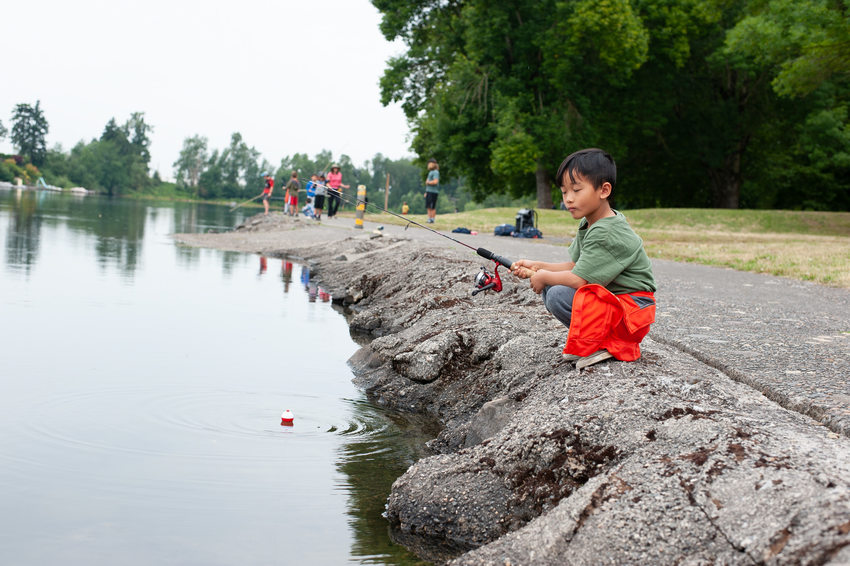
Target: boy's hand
x=538, y=280
x=523, y=268
x=523, y=272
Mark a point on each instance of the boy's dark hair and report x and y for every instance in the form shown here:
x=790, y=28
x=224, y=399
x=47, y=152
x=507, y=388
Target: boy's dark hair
x=595, y=165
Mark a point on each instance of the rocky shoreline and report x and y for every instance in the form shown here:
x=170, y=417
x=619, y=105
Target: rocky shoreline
x=664, y=460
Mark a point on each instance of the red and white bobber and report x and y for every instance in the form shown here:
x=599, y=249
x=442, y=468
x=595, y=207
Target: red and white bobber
x=287, y=418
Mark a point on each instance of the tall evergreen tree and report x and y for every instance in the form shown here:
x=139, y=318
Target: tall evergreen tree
x=29, y=128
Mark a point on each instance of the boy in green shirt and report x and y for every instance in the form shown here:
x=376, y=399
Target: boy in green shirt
x=605, y=294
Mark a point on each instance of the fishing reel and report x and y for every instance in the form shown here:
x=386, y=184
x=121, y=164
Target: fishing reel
x=485, y=281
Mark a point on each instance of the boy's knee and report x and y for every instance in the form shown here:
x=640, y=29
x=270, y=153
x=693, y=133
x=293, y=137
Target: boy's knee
x=558, y=300
x=559, y=295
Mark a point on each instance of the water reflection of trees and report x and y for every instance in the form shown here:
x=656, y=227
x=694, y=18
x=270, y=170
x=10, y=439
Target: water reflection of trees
x=378, y=452
x=117, y=224
x=200, y=218
x=192, y=217
x=24, y=230
x=119, y=227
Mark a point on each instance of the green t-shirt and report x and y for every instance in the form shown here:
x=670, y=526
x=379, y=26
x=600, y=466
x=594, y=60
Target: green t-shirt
x=432, y=174
x=609, y=253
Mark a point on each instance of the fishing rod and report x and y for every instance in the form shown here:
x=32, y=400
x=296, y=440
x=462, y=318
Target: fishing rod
x=246, y=202
x=483, y=280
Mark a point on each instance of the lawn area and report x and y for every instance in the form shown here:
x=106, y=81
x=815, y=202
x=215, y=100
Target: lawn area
x=809, y=246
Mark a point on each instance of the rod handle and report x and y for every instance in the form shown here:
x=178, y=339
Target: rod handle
x=487, y=254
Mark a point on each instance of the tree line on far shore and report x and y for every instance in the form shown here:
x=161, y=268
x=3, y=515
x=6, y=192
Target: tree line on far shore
x=117, y=163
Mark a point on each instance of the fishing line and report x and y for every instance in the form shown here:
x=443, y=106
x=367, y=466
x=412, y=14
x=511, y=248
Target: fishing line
x=382, y=209
x=483, y=281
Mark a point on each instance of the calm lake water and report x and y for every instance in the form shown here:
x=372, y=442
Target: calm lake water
x=141, y=388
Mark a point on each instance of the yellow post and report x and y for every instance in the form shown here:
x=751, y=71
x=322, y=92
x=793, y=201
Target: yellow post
x=361, y=206
x=387, y=193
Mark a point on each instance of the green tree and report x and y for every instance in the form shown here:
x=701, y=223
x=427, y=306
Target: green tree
x=232, y=172
x=29, y=128
x=239, y=167
x=114, y=159
x=300, y=162
x=116, y=162
x=211, y=182
x=689, y=95
x=3, y=130
x=807, y=43
x=137, y=131
x=801, y=158
x=479, y=82
x=193, y=158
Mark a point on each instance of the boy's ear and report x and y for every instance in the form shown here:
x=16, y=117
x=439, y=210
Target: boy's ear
x=606, y=189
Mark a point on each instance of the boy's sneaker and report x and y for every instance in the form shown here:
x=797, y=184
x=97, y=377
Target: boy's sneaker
x=593, y=358
x=570, y=357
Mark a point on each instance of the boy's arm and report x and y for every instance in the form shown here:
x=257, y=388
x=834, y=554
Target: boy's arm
x=543, y=278
x=525, y=268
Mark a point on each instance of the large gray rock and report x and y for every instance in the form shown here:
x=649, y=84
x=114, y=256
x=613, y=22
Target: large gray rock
x=490, y=419
x=664, y=460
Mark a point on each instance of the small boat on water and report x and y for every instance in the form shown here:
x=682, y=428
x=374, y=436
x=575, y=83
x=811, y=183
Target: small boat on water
x=79, y=191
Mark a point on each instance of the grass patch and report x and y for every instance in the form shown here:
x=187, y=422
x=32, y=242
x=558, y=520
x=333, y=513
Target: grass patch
x=809, y=246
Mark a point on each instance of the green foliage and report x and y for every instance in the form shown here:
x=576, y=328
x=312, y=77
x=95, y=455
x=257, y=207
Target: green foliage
x=8, y=170
x=29, y=128
x=138, y=134
x=805, y=42
x=11, y=168
x=703, y=102
x=496, y=100
x=232, y=172
x=116, y=163
x=193, y=158
x=3, y=130
x=604, y=33
x=164, y=190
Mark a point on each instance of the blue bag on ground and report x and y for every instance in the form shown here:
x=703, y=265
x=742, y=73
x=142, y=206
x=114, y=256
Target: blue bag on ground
x=461, y=230
x=528, y=232
x=503, y=230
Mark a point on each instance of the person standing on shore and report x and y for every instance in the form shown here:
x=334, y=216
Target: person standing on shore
x=432, y=189
x=335, y=186
x=267, y=191
x=292, y=188
x=319, y=198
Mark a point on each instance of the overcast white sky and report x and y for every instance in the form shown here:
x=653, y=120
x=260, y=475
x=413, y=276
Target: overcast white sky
x=290, y=76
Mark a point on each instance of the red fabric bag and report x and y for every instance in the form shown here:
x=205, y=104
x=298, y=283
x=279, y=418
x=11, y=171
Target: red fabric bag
x=603, y=320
